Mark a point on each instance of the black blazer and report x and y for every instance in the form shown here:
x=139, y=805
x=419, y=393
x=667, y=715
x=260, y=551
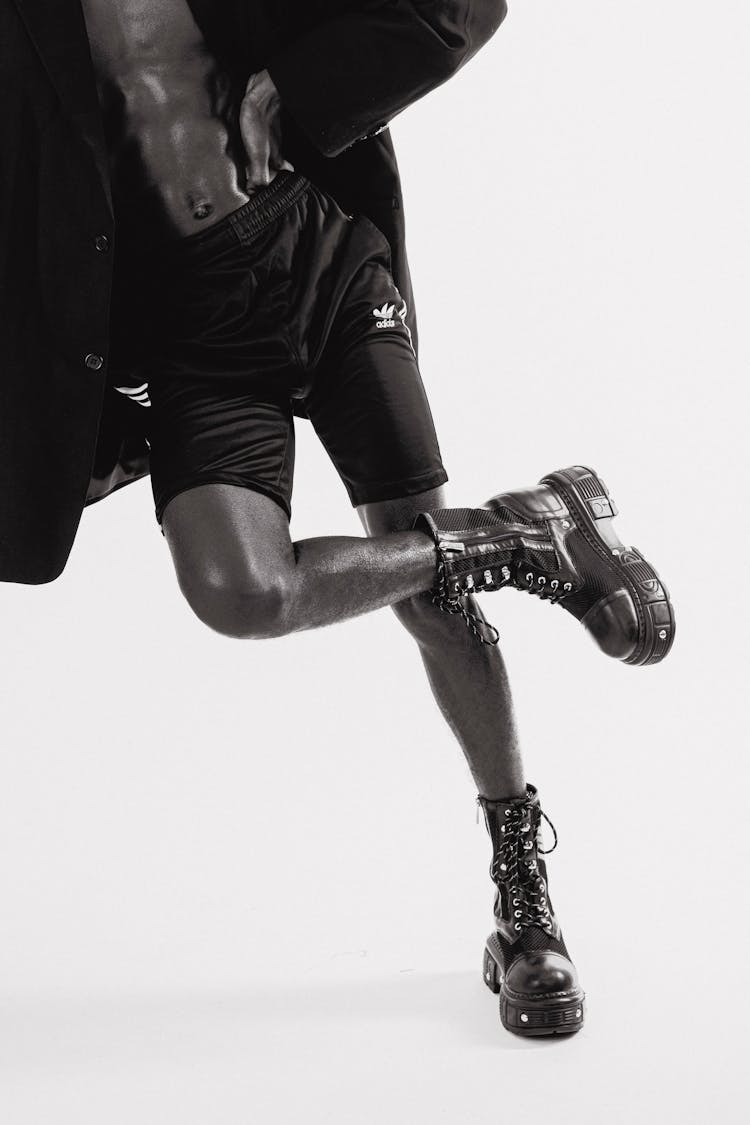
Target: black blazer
x=344, y=68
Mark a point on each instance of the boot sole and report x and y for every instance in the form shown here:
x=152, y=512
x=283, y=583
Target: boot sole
x=531, y=1017
x=588, y=500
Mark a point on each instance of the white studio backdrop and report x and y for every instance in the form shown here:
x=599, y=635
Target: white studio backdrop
x=243, y=880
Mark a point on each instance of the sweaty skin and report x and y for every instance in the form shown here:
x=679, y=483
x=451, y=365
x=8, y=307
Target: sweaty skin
x=171, y=117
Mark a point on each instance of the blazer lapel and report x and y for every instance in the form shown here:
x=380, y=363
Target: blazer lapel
x=58, y=31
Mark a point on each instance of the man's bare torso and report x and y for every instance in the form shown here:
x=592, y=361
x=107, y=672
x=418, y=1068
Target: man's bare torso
x=177, y=160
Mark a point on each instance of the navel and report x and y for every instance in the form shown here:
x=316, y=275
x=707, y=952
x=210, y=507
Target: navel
x=199, y=206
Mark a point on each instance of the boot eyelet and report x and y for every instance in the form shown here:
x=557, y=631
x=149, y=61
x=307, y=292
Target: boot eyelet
x=517, y=927
x=516, y=902
x=517, y=914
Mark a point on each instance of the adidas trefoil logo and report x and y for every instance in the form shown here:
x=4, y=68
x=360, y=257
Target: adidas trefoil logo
x=136, y=394
x=385, y=316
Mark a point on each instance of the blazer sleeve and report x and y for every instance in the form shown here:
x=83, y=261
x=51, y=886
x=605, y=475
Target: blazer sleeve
x=346, y=77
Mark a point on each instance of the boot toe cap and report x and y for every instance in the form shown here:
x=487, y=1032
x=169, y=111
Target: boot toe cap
x=541, y=974
x=613, y=623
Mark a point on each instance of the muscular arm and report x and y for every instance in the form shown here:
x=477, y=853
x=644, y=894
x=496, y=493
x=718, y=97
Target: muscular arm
x=350, y=75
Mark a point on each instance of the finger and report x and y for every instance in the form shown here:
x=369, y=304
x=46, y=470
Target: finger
x=257, y=149
x=275, y=160
x=259, y=171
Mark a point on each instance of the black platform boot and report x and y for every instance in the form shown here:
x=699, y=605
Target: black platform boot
x=555, y=541
x=525, y=959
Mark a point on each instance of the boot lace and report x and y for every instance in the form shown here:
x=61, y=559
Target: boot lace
x=538, y=585
x=452, y=599
x=515, y=865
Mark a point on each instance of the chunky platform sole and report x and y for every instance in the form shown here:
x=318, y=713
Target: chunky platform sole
x=588, y=500
x=528, y=1016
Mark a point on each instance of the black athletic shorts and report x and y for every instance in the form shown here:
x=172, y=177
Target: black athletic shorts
x=214, y=336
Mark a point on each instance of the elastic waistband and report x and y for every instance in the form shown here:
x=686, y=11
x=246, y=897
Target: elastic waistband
x=250, y=219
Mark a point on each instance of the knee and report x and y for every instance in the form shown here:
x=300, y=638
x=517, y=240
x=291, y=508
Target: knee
x=239, y=608
x=433, y=628
x=422, y=618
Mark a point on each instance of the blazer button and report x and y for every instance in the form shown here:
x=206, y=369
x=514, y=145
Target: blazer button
x=94, y=362
x=102, y=243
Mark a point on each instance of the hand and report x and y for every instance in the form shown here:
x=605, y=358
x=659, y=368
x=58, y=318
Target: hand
x=260, y=127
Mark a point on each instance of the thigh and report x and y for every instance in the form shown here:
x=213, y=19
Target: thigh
x=227, y=538
x=234, y=559
x=215, y=430
x=399, y=514
x=368, y=403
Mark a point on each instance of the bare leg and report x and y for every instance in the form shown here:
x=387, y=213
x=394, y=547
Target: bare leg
x=468, y=679
x=244, y=577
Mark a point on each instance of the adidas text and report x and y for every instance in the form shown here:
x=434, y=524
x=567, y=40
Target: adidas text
x=386, y=316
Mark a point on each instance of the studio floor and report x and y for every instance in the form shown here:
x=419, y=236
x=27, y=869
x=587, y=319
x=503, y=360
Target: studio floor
x=359, y=1043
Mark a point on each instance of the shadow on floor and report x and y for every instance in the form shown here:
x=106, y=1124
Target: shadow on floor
x=443, y=1009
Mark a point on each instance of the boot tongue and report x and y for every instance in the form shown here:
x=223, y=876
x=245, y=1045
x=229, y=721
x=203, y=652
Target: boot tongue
x=523, y=868
x=510, y=814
